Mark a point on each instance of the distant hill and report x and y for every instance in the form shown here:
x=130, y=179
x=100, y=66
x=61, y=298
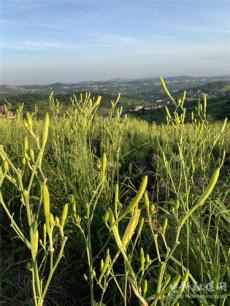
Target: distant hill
x=147, y=89
x=215, y=88
x=140, y=97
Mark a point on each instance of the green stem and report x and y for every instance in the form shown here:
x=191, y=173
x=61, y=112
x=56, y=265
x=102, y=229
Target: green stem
x=54, y=268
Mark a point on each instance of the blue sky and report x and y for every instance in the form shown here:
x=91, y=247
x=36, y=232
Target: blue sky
x=73, y=40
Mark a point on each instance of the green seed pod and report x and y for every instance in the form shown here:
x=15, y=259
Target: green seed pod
x=209, y=188
x=34, y=244
x=46, y=200
x=135, y=201
x=52, y=222
x=26, y=144
x=46, y=206
x=165, y=226
x=145, y=287
x=146, y=199
x=131, y=227
x=29, y=121
x=102, y=265
x=45, y=130
x=64, y=215
x=104, y=167
x=98, y=101
x=142, y=259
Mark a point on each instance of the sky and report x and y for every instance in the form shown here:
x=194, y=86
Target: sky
x=45, y=41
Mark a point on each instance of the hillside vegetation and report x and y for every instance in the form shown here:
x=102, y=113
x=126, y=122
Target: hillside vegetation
x=141, y=94
x=112, y=210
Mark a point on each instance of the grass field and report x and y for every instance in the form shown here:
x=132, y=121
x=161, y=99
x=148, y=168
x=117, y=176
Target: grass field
x=114, y=210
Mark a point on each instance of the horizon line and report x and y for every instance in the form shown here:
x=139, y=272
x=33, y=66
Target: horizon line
x=118, y=79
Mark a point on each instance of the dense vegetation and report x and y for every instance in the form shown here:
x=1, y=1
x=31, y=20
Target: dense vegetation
x=113, y=210
x=40, y=104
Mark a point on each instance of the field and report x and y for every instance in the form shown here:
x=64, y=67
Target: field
x=112, y=210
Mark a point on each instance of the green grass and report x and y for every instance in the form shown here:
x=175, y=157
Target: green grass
x=144, y=225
